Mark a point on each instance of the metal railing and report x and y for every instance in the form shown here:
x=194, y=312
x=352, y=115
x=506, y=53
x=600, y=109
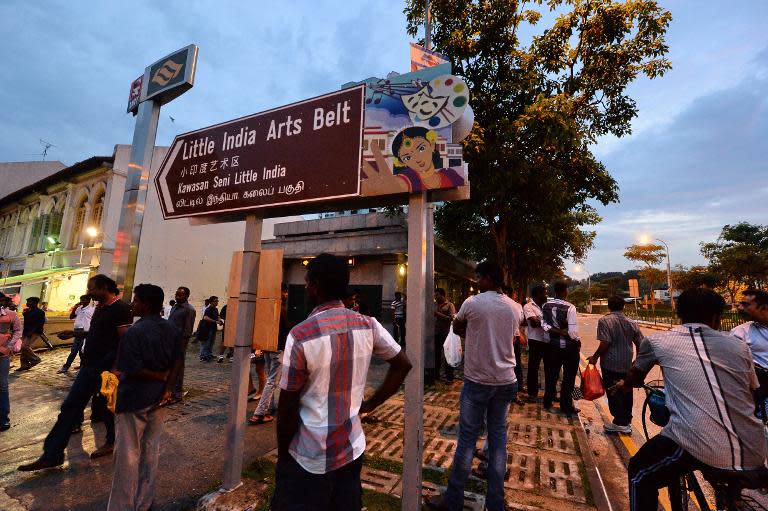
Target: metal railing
x=669, y=318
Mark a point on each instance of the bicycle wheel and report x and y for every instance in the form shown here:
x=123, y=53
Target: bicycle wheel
x=678, y=495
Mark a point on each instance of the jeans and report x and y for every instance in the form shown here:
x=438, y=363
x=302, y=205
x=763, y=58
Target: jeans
x=272, y=366
x=5, y=400
x=206, y=344
x=135, y=458
x=620, y=403
x=566, y=359
x=479, y=402
x=537, y=351
x=77, y=347
x=299, y=490
x=86, y=384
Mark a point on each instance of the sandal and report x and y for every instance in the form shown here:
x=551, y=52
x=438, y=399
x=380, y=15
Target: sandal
x=260, y=419
x=255, y=397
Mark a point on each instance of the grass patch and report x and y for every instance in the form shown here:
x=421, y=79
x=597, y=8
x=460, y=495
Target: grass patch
x=381, y=501
x=378, y=463
x=438, y=477
x=475, y=486
x=590, y=498
x=262, y=469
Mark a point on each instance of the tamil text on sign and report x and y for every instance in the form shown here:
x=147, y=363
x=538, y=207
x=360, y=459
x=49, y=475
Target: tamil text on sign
x=307, y=151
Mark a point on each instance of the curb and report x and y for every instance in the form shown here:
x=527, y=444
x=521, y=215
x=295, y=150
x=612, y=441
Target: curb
x=599, y=494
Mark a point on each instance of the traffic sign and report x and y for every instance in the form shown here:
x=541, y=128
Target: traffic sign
x=303, y=152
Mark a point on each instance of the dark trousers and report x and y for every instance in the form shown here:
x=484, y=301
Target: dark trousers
x=762, y=392
x=566, y=359
x=619, y=403
x=86, y=384
x=440, y=356
x=178, y=386
x=28, y=357
x=400, y=331
x=299, y=490
x=659, y=463
x=537, y=351
x=518, y=362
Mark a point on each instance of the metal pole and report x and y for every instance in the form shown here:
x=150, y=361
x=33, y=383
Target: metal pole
x=427, y=26
x=238, y=389
x=669, y=275
x=135, y=196
x=413, y=434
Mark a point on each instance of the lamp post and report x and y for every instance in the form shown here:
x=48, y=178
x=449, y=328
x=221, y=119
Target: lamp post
x=589, y=285
x=669, y=274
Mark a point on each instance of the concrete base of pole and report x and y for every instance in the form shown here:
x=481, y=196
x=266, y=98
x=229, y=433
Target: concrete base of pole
x=246, y=497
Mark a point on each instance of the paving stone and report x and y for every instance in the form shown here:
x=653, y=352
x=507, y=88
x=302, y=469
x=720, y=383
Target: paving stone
x=378, y=480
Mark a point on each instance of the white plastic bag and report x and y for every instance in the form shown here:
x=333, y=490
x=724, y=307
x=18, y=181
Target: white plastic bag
x=452, y=348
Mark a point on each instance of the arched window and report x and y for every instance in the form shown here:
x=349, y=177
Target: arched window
x=96, y=215
x=78, y=224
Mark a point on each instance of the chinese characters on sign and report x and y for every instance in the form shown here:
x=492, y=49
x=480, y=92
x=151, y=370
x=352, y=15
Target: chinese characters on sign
x=308, y=151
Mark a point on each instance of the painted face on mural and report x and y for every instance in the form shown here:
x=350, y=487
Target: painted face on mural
x=416, y=153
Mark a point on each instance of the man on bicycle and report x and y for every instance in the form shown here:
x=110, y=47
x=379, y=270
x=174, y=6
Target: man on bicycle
x=709, y=378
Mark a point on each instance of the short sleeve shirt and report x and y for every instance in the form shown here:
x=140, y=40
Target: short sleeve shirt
x=83, y=317
x=756, y=337
x=708, y=382
x=103, y=338
x=620, y=333
x=326, y=358
x=535, y=333
x=151, y=343
x=489, y=353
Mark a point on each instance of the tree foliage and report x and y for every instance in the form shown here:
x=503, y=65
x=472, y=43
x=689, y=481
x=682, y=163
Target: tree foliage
x=739, y=257
x=696, y=276
x=649, y=255
x=539, y=105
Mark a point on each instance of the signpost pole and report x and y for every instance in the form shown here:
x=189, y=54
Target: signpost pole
x=238, y=390
x=135, y=196
x=413, y=435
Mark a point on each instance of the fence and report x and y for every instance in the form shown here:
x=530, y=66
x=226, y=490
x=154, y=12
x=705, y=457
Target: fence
x=669, y=318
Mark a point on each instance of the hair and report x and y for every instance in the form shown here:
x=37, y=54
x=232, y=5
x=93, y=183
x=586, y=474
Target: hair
x=212, y=298
x=398, y=294
x=440, y=291
x=699, y=305
x=491, y=270
x=615, y=303
x=561, y=286
x=2, y=295
x=101, y=281
x=413, y=132
x=283, y=287
x=172, y=302
x=331, y=275
x=538, y=288
x=207, y=301
x=186, y=290
x=350, y=292
x=150, y=295
x=760, y=297
x=82, y=297
x=33, y=299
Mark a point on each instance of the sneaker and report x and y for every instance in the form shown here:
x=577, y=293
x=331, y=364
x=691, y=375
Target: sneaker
x=5, y=427
x=104, y=450
x=220, y=359
x=63, y=370
x=615, y=428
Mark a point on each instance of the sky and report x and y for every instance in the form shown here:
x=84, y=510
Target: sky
x=694, y=162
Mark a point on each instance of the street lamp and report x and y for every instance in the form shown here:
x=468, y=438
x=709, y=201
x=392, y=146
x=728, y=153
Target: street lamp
x=578, y=269
x=669, y=274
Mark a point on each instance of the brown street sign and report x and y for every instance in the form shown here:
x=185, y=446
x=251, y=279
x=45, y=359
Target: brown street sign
x=303, y=152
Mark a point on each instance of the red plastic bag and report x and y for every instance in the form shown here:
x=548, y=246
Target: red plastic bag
x=592, y=383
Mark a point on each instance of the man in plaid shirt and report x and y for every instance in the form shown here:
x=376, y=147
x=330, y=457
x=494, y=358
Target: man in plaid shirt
x=325, y=363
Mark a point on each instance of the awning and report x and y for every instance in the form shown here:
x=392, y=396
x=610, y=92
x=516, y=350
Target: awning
x=37, y=277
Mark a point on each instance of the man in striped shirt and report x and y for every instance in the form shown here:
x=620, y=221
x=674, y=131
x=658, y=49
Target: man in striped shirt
x=709, y=379
x=319, y=436
x=559, y=321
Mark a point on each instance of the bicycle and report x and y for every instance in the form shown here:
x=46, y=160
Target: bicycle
x=728, y=485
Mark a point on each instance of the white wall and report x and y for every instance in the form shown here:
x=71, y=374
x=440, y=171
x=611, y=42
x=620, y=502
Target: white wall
x=172, y=253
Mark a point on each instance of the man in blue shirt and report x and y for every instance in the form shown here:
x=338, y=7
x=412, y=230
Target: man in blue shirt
x=145, y=357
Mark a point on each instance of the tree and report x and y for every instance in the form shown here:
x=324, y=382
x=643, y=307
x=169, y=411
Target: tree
x=739, y=257
x=696, y=276
x=650, y=255
x=539, y=105
x=579, y=297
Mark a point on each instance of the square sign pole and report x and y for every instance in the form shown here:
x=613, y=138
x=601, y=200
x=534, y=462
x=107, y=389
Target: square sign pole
x=162, y=82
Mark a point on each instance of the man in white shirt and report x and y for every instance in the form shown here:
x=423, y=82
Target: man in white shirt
x=559, y=321
x=538, y=339
x=490, y=385
x=82, y=313
x=754, y=306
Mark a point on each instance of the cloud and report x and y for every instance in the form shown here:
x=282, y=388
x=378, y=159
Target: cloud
x=687, y=178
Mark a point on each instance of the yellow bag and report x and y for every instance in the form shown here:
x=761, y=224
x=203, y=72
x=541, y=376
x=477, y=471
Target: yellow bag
x=109, y=384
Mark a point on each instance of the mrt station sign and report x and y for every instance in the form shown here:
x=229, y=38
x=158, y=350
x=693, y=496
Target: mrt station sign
x=304, y=152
